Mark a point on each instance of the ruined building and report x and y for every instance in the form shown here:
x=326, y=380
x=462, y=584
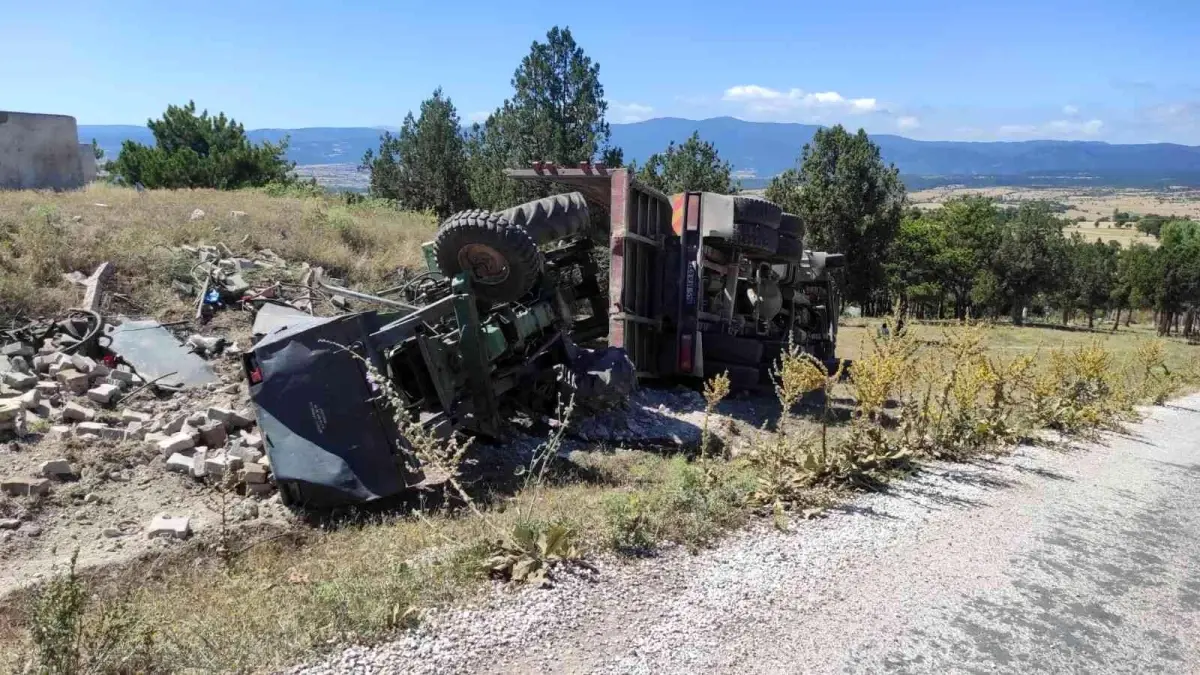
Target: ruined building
x=42, y=152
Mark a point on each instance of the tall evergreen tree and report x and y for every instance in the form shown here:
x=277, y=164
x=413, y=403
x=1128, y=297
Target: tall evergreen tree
x=200, y=151
x=556, y=114
x=850, y=200
x=424, y=165
x=693, y=165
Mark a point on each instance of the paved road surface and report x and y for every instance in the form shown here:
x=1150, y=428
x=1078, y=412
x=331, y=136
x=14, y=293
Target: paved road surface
x=1048, y=561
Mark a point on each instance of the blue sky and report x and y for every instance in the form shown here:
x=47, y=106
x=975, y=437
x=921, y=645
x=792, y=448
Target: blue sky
x=1114, y=70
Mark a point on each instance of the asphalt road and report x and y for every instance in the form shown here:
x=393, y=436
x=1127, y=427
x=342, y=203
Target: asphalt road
x=1083, y=560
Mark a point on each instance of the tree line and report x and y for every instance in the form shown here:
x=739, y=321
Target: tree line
x=973, y=257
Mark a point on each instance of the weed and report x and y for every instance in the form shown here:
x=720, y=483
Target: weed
x=630, y=526
x=71, y=636
x=531, y=551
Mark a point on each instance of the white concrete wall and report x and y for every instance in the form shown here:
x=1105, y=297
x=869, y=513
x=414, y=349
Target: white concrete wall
x=39, y=152
x=87, y=160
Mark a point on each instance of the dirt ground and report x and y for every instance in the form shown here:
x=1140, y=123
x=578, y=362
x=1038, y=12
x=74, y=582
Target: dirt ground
x=120, y=486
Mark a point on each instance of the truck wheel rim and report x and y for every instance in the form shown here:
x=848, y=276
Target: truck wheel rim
x=485, y=263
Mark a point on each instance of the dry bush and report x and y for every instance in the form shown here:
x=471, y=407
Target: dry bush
x=43, y=235
x=964, y=401
x=73, y=631
x=794, y=468
x=1079, y=389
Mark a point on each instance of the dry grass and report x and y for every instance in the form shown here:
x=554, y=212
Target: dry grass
x=285, y=599
x=854, y=340
x=1125, y=236
x=43, y=235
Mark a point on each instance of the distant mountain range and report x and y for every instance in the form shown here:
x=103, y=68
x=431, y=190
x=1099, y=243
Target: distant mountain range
x=759, y=150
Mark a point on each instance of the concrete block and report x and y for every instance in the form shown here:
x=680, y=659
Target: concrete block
x=259, y=489
x=10, y=409
x=212, y=434
x=123, y=375
x=103, y=393
x=171, y=527
x=30, y=399
x=19, y=381
x=16, y=349
x=179, y=463
x=128, y=416
x=243, y=418
x=57, y=468
x=76, y=412
x=22, y=487
x=176, y=443
x=135, y=431
x=223, y=415
x=83, y=364
x=73, y=380
x=254, y=473
x=100, y=430
x=246, y=454
x=46, y=388
x=199, y=463
x=175, y=423
x=217, y=463
x=252, y=439
x=154, y=438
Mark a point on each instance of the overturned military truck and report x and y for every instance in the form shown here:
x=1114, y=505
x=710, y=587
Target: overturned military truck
x=512, y=313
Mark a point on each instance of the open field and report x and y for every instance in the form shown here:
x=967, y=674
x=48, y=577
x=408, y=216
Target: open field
x=1091, y=204
x=624, y=483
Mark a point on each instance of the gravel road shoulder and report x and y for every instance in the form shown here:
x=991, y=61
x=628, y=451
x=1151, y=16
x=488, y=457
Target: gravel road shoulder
x=1047, y=560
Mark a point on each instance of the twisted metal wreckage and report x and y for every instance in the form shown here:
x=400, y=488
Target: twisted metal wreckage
x=512, y=311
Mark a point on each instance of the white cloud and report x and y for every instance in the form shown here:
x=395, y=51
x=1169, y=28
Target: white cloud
x=1074, y=128
x=908, y=122
x=760, y=100
x=1017, y=129
x=478, y=116
x=629, y=112
x=1053, y=129
x=1070, y=110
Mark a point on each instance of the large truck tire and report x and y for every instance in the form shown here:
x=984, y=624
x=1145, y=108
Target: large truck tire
x=789, y=249
x=791, y=225
x=752, y=237
x=731, y=349
x=551, y=219
x=756, y=210
x=503, y=260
